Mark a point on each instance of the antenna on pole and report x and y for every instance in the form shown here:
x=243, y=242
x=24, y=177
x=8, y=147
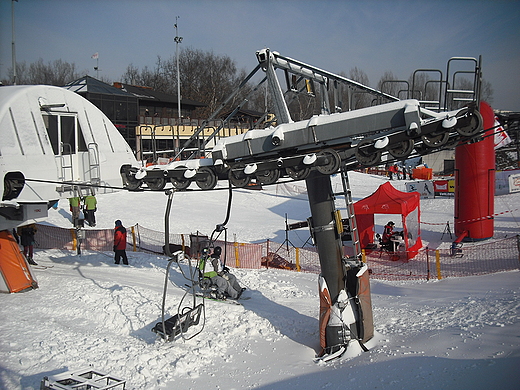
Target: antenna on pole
x=178, y=40
x=13, y=44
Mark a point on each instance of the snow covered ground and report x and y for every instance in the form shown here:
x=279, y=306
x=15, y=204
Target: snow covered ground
x=458, y=333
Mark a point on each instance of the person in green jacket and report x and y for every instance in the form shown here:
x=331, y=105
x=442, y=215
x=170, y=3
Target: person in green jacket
x=89, y=209
x=224, y=282
x=74, y=203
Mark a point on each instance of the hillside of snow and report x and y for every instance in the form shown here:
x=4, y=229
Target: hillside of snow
x=457, y=333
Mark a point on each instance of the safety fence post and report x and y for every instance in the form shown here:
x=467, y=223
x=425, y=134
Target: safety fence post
x=266, y=255
x=518, y=247
x=74, y=239
x=427, y=264
x=438, y=263
x=297, y=250
x=138, y=236
x=237, y=257
x=134, y=244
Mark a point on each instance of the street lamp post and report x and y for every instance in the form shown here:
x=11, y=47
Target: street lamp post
x=13, y=44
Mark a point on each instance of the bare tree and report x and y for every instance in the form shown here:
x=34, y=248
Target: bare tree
x=391, y=85
x=205, y=77
x=486, y=92
x=303, y=105
x=132, y=76
x=21, y=74
x=153, y=78
x=417, y=85
x=466, y=84
x=57, y=73
x=209, y=78
x=359, y=99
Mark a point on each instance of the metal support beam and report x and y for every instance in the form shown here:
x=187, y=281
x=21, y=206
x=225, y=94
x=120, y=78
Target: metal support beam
x=323, y=230
x=345, y=303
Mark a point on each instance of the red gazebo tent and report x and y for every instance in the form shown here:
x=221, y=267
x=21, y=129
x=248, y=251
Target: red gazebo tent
x=388, y=200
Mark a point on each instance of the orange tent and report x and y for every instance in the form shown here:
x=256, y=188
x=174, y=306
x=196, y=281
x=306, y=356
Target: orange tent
x=388, y=200
x=15, y=274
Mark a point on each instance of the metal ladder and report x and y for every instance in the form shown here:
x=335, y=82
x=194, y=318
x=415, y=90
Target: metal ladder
x=354, y=232
x=94, y=168
x=63, y=164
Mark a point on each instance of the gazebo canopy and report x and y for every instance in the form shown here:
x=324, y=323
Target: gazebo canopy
x=388, y=200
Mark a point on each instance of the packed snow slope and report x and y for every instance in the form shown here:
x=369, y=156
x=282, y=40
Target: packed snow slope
x=458, y=333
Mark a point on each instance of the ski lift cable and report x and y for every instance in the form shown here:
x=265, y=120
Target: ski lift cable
x=481, y=133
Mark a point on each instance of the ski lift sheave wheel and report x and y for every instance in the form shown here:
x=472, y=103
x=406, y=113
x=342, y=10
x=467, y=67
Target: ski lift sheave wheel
x=14, y=183
x=366, y=154
x=333, y=162
x=269, y=176
x=402, y=149
x=180, y=184
x=434, y=141
x=473, y=127
x=237, y=177
x=206, y=179
x=131, y=183
x=157, y=184
x=297, y=173
x=179, y=181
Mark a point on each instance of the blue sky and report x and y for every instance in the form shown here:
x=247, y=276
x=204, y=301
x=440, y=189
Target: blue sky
x=336, y=35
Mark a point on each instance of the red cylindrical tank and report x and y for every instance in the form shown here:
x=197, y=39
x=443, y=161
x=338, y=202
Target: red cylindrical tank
x=475, y=183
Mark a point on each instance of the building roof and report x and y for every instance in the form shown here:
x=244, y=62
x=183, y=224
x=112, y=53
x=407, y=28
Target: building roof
x=148, y=94
x=88, y=84
x=245, y=113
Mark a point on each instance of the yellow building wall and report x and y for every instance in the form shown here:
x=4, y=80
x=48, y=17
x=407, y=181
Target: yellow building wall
x=182, y=131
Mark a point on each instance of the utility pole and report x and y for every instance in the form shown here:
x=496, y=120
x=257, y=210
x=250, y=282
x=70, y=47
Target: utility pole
x=13, y=44
x=177, y=40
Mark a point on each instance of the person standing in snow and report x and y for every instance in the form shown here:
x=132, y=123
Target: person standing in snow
x=26, y=234
x=120, y=243
x=401, y=172
x=90, y=209
x=393, y=171
x=410, y=172
x=74, y=203
x=405, y=172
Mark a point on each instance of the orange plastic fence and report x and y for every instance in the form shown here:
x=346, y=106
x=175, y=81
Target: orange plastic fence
x=475, y=259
